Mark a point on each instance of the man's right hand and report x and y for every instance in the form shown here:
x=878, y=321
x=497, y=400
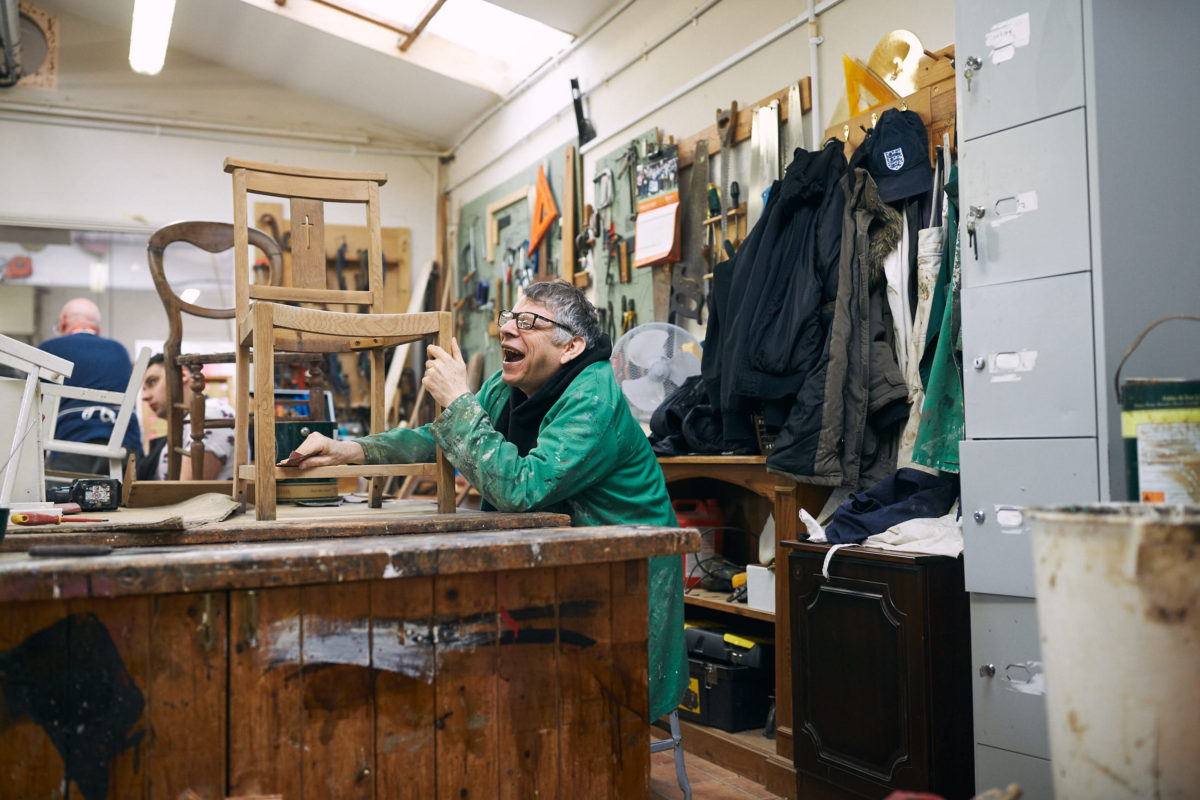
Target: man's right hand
x=321, y=451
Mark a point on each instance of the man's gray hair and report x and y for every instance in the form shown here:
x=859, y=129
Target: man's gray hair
x=570, y=307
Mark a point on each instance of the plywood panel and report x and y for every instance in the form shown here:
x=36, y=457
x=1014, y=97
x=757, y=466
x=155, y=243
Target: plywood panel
x=337, y=695
x=630, y=690
x=585, y=675
x=33, y=664
x=402, y=658
x=465, y=609
x=187, y=696
x=264, y=667
x=109, y=647
x=527, y=685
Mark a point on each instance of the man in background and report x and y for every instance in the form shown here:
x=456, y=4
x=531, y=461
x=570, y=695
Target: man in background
x=100, y=363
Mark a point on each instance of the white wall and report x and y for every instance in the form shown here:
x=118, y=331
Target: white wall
x=58, y=175
x=83, y=157
x=540, y=118
x=93, y=179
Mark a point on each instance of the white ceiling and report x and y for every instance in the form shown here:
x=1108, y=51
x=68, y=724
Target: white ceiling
x=380, y=91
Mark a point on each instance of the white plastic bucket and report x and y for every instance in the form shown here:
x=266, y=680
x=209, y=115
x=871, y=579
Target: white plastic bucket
x=1118, y=601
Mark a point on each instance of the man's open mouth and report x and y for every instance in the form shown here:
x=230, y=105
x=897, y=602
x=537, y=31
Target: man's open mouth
x=511, y=356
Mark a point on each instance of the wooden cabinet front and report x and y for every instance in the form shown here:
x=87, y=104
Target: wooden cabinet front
x=880, y=673
x=500, y=684
x=501, y=664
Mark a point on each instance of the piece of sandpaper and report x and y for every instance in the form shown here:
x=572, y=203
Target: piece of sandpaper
x=294, y=458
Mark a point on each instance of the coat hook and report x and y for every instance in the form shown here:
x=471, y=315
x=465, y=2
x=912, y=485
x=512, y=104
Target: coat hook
x=874, y=117
x=846, y=131
x=904, y=105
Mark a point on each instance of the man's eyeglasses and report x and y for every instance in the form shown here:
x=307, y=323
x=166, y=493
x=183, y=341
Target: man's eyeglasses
x=527, y=319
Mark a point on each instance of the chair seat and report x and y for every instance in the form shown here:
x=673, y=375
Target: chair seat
x=329, y=328
x=229, y=358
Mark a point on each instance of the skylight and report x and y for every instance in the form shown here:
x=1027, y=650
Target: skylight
x=402, y=15
x=497, y=37
x=523, y=43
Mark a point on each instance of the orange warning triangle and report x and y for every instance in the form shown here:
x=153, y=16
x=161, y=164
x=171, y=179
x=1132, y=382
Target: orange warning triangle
x=544, y=212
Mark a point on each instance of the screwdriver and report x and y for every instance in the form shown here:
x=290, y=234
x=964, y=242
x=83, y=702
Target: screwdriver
x=34, y=518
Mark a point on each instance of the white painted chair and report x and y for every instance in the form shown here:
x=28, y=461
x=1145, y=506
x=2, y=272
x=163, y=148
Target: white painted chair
x=114, y=449
x=675, y=743
x=38, y=366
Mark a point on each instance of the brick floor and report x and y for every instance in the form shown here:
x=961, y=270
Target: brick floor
x=709, y=781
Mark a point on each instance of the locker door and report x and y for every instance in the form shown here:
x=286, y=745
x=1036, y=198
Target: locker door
x=1030, y=62
x=1028, y=359
x=1032, y=194
x=1000, y=478
x=1009, y=682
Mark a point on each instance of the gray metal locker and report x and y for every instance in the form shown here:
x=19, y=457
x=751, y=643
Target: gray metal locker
x=1068, y=106
x=996, y=768
x=1002, y=477
x=1009, y=687
x=1033, y=202
x=1027, y=359
x=1030, y=62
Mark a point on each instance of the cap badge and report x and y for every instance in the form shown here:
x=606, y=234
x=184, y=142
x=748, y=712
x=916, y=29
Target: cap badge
x=894, y=159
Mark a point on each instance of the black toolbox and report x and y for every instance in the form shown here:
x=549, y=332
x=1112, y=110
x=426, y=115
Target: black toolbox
x=730, y=679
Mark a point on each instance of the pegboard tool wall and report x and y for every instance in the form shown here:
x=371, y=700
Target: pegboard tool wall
x=609, y=291
x=474, y=322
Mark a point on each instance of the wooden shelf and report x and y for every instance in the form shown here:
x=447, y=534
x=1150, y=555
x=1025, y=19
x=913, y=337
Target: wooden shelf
x=748, y=753
x=717, y=601
x=732, y=213
x=769, y=762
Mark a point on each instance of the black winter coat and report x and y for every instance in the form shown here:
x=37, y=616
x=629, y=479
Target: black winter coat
x=765, y=333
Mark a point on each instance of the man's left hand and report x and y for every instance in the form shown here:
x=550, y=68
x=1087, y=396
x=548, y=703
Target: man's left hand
x=445, y=374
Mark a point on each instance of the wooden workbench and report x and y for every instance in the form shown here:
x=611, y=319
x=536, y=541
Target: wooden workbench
x=392, y=663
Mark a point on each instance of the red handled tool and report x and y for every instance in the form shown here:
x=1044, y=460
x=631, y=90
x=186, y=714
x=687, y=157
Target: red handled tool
x=34, y=518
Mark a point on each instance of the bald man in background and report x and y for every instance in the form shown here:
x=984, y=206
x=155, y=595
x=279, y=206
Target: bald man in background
x=100, y=363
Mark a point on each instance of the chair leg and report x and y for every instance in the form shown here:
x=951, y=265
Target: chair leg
x=241, y=426
x=264, y=412
x=447, y=496
x=680, y=769
x=675, y=743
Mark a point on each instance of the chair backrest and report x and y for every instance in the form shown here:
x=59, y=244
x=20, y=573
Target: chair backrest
x=212, y=237
x=132, y=392
x=114, y=450
x=307, y=192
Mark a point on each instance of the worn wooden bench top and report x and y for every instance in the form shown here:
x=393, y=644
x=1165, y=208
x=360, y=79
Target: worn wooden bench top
x=294, y=523
x=249, y=565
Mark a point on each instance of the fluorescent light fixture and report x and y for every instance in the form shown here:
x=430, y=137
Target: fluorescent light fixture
x=148, y=38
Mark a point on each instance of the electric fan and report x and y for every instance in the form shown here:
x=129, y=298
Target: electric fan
x=651, y=361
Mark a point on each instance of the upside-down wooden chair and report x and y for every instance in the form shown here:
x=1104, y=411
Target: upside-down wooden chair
x=265, y=323
x=25, y=447
x=210, y=237
x=114, y=448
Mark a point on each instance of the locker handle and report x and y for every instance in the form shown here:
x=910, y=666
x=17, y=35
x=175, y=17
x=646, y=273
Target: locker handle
x=974, y=214
x=973, y=65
